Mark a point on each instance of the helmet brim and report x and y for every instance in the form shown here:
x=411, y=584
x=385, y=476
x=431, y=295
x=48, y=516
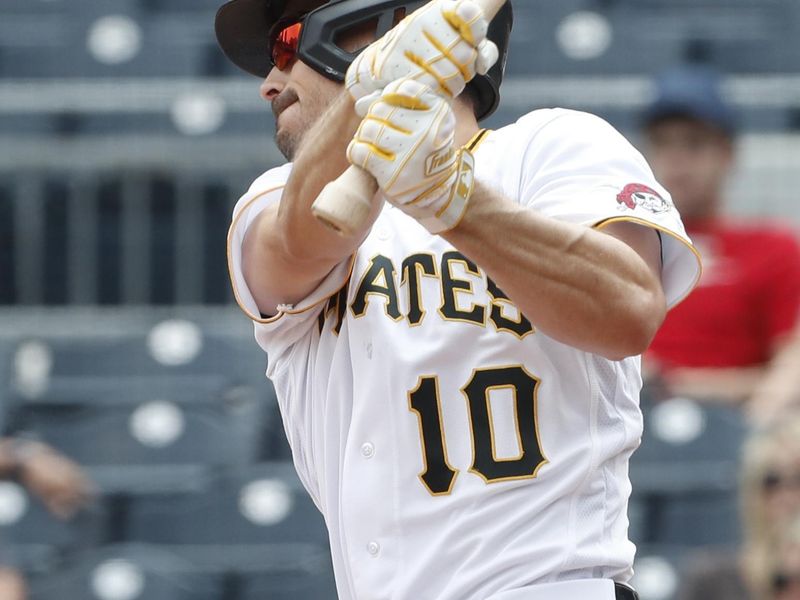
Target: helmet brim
x=242, y=28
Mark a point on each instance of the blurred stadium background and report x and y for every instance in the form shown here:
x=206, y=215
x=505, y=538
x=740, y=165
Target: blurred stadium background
x=125, y=140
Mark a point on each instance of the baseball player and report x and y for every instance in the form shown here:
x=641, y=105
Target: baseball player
x=458, y=380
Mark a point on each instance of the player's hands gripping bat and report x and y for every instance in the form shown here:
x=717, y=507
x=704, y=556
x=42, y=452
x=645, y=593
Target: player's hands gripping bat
x=345, y=203
x=442, y=45
x=407, y=142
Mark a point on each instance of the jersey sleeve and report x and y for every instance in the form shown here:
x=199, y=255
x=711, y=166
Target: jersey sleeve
x=579, y=169
x=276, y=334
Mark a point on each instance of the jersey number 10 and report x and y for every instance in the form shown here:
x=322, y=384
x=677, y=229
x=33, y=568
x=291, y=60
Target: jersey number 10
x=438, y=475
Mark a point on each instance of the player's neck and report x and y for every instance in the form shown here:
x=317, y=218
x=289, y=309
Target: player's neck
x=466, y=123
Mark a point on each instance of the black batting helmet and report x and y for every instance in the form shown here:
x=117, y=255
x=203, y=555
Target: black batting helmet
x=243, y=28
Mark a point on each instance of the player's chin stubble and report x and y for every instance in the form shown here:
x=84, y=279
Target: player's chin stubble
x=286, y=138
x=289, y=137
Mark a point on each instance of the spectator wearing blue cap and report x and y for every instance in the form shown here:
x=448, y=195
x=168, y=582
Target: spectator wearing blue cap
x=733, y=338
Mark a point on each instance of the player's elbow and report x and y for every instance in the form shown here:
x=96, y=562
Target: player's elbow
x=639, y=322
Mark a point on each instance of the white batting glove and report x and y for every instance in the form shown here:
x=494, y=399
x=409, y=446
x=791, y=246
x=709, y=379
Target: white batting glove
x=442, y=45
x=407, y=142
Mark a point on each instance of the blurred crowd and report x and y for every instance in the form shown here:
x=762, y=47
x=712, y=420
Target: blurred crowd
x=735, y=340
x=54, y=479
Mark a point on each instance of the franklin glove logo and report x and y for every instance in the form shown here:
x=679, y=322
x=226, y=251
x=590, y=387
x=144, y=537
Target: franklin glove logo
x=439, y=161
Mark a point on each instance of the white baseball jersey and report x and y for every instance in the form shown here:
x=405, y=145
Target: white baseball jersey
x=456, y=452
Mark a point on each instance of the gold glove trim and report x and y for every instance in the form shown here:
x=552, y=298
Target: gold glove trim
x=450, y=56
x=460, y=25
x=389, y=124
x=378, y=151
x=425, y=66
x=404, y=101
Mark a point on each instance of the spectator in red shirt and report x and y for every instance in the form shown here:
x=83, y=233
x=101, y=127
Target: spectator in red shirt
x=732, y=339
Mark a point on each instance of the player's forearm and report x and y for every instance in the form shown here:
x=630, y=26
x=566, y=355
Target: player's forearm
x=321, y=158
x=577, y=285
x=287, y=252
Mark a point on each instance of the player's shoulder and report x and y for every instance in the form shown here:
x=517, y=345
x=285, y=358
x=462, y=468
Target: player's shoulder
x=549, y=128
x=266, y=185
x=271, y=179
x=555, y=120
x=568, y=137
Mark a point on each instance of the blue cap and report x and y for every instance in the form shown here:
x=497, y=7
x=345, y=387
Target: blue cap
x=694, y=92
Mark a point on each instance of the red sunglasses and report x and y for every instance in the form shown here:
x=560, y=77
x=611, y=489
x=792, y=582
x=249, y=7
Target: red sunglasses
x=283, y=44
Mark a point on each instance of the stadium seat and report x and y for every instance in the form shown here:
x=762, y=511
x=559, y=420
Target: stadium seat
x=637, y=515
x=701, y=519
x=37, y=536
x=685, y=474
x=189, y=6
x=173, y=346
x=157, y=432
x=309, y=581
x=657, y=571
x=702, y=441
x=135, y=390
x=258, y=506
x=132, y=572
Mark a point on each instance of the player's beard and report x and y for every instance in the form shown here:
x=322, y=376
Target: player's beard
x=289, y=137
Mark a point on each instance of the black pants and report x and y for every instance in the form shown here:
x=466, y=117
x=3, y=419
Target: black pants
x=625, y=592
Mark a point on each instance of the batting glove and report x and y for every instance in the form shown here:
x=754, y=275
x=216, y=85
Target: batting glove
x=407, y=142
x=442, y=45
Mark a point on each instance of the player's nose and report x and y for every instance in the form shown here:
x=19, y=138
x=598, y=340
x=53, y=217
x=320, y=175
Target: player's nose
x=273, y=84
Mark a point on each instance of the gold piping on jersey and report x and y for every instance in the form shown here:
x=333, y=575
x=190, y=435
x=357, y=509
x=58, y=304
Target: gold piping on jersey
x=477, y=140
x=420, y=475
x=602, y=224
x=406, y=276
x=544, y=460
x=260, y=318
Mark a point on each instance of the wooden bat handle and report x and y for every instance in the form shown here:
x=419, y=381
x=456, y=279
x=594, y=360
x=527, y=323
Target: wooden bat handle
x=345, y=203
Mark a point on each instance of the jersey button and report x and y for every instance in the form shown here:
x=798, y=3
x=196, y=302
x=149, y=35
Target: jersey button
x=373, y=548
x=368, y=450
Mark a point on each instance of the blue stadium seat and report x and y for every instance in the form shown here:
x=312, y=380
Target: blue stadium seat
x=261, y=506
x=188, y=6
x=307, y=582
x=745, y=36
x=133, y=572
x=134, y=390
x=685, y=474
x=657, y=571
x=702, y=519
x=37, y=536
x=637, y=515
x=171, y=348
x=689, y=437
x=157, y=432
